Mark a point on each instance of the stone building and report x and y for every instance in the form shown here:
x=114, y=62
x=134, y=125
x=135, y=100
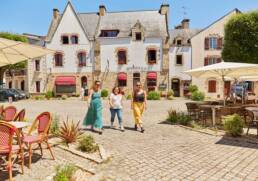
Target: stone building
x=206, y=50
x=180, y=53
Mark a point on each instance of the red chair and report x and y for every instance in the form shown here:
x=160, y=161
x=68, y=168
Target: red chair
x=9, y=113
x=43, y=121
x=20, y=116
x=7, y=149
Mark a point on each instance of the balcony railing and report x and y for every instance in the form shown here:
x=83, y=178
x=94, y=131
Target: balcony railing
x=22, y=72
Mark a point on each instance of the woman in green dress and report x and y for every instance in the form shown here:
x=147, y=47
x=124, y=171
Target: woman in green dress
x=94, y=115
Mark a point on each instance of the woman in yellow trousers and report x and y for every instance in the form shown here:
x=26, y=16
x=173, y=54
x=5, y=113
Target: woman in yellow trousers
x=138, y=105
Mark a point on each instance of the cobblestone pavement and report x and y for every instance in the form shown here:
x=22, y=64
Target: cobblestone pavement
x=163, y=152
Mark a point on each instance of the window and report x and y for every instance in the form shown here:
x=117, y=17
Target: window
x=58, y=59
x=212, y=86
x=179, y=59
x=10, y=84
x=37, y=86
x=65, y=39
x=37, y=65
x=211, y=60
x=82, y=59
x=213, y=43
x=121, y=54
x=152, y=56
x=179, y=42
x=249, y=86
x=109, y=33
x=22, y=85
x=151, y=82
x=122, y=83
x=138, y=36
x=74, y=39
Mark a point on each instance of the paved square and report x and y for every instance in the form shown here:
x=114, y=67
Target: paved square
x=163, y=152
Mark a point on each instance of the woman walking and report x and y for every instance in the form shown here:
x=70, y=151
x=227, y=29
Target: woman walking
x=139, y=105
x=94, y=115
x=115, y=102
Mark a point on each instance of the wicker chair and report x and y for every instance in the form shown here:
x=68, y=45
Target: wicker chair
x=43, y=122
x=224, y=111
x=9, y=113
x=193, y=110
x=20, y=116
x=205, y=115
x=8, y=149
x=249, y=121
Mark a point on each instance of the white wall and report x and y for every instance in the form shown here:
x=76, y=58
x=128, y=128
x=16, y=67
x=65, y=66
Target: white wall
x=70, y=25
x=176, y=71
x=136, y=54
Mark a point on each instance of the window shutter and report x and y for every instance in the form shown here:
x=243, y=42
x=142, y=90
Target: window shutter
x=206, y=44
x=218, y=60
x=206, y=61
x=212, y=86
x=219, y=43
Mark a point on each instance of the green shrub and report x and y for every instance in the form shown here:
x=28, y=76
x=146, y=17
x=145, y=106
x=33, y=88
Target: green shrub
x=64, y=173
x=49, y=94
x=87, y=144
x=54, y=128
x=153, y=95
x=198, y=96
x=170, y=93
x=104, y=93
x=184, y=119
x=192, y=88
x=64, y=97
x=172, y=116
x=39, y=97
x=129, y=97
x=233, y=125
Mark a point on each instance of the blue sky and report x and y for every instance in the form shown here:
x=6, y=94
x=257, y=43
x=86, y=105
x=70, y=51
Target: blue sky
x=34, y=16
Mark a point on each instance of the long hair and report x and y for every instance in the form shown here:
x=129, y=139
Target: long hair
x=113, y=90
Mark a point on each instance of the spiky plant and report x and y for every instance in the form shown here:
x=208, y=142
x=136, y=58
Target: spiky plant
x=69, y=131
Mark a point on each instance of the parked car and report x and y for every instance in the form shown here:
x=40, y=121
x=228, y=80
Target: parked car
x=6, y=93
x=22, y=94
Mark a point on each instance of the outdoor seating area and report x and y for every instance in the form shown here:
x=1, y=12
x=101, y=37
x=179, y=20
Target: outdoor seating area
x=211, y=113
x=15, y=143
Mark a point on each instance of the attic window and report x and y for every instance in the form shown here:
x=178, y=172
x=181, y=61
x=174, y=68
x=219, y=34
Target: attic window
x=138, y=36
x=179, y=42
x=74, y=39
x=109, y=33
x=65, y=39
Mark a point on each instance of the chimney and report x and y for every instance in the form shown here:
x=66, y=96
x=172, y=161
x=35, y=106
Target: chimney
x=102, y=10
x=164, y=9
x=55, y=13
x=185, y=23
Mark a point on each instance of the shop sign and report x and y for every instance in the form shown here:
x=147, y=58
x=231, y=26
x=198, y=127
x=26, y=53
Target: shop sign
x=162, y=86
x=138, y=68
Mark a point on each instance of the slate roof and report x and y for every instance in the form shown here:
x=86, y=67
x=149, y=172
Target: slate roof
x=186, y=34
x=153, y=22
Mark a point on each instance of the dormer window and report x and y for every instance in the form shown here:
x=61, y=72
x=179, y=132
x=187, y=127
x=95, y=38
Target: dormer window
x=138, y=36
x=179, y=42
x=65, y=39
x=74, y=39
x=109, y=33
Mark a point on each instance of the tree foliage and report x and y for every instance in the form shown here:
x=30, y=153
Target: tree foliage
x=17, y=66
x=241, y=38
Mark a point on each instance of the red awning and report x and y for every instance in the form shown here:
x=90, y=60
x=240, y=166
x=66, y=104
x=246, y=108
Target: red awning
x=65, y=80
x=122, y=76
x=152, y=75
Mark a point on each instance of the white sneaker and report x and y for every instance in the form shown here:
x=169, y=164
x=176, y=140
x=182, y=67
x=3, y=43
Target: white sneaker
x=122, y=128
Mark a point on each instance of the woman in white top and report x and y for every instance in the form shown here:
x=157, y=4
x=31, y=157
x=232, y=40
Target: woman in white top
x=115, y=102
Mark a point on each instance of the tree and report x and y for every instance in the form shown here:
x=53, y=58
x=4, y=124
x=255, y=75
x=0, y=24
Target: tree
x=18, y=66
x=241, y=38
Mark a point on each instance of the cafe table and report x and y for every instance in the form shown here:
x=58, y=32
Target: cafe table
x=19, y=125
x=213, y=109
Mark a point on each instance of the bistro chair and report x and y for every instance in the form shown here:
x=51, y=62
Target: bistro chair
x=20, y=116
x=1, y=109
x=8, y=149
x=43, y=122
x=9, y=113
x=205, y=114
x=193, y=110
x=251, y=120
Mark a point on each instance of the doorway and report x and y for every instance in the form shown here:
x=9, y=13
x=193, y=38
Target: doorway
x=22, y=85
x=175, y=86
x=227, y=87
x=136, y=78
x=84, y=82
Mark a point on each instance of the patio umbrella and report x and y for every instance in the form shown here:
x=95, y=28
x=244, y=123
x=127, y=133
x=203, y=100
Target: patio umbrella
x=12, y=52
x=224, y=69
